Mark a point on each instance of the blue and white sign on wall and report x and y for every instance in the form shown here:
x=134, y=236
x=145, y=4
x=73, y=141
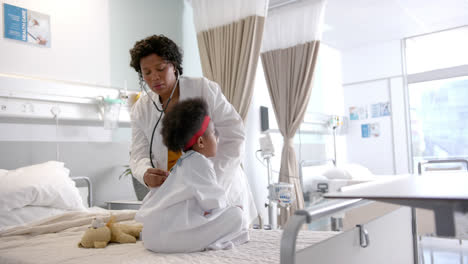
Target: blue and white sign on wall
x=15, y=21
x=26, y=25
x=370, y=130
x=365, y=130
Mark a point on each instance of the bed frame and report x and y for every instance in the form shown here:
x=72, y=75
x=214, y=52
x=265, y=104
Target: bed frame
x=366, y=243
x=79, y=180
x=370, y=242
x=378, y=240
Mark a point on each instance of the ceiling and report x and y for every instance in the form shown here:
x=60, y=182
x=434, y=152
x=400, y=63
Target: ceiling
x=357, y=23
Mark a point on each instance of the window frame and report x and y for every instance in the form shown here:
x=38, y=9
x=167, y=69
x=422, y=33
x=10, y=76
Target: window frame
x=433, y=75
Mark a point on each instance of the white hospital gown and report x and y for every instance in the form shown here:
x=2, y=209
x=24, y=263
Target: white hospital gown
x=173, y=214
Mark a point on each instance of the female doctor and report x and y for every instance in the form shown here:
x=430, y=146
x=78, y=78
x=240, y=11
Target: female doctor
x=158, y=62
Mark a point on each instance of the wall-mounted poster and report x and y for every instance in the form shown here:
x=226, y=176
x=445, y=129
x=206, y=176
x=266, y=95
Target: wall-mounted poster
x=357, y=113
x=365, y=130
x=374, y=129
x=380, y=109
x=385, y=108
x=370, y=130
x=26, y=25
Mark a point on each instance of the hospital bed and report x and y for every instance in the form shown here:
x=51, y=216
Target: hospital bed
x=53, y=237
x=440, y=189
x=47, y=230
x=366, y=236
x=45, y=227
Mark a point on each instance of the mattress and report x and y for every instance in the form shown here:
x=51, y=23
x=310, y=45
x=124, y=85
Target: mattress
x=54, y=240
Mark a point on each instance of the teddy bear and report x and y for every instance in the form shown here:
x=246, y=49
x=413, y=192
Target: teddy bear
x=99, y=234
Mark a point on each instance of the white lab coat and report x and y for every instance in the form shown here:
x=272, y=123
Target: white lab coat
x=227, y=122
x=173, y=214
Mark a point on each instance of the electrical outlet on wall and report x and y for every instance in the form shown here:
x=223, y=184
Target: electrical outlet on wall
x=27, y=108
x=3, y=107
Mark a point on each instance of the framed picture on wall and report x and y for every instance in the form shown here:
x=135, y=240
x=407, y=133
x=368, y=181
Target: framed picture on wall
x=380, y=109
x=358, y=113
x=26, y=25
x=370, y=130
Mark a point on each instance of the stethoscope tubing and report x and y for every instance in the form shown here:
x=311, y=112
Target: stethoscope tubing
x=161, y=111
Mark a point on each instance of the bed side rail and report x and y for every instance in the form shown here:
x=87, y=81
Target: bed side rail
x=294, y=224
x=79, y=179
x=421, y=164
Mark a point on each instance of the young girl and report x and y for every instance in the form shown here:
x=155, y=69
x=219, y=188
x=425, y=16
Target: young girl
x=189, y=212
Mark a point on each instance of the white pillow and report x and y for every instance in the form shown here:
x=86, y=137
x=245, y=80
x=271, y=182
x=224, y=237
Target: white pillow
x=45, y=184
x=337, y=173
x=358, y=172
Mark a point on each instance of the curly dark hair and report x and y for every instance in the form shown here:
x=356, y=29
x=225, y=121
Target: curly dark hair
x=182, y=122
x=159, y=45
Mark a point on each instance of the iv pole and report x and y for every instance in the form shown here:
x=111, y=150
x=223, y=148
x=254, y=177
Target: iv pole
x=278, y=193
x=272, y=209
x=334, y=145
x=267, y=151
x=335, y=122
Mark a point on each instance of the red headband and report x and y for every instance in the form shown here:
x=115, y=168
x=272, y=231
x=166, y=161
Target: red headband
x=199, y=133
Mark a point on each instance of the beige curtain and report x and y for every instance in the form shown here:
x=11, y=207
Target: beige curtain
x=289, y=73
x=229, y=56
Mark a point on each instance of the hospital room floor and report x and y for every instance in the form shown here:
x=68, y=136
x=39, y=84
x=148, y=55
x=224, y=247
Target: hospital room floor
x=443, y=251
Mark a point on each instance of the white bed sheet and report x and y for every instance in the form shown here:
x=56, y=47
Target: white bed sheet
x=21, y=216
x=55, y=240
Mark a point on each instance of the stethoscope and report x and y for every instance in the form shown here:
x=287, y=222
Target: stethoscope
x=161, y=113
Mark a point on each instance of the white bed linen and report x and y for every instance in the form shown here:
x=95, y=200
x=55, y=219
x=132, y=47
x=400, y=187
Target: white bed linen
x=55, y=240
x=21, y=216
x=47, y=184
x=335, y=177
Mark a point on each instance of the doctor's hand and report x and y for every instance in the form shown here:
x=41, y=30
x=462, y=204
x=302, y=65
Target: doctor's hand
x=155, y=177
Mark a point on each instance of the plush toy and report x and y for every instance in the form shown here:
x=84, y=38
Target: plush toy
x=99, y=234
x=121, y=233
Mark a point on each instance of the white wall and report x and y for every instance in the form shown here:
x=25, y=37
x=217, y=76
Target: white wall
x=90, y=42
x=373, y=74
x=131, y=21
x=192, y=62
x=102, y=57
x=78, y=53
x=375, y=153
x=328, y=95
x=380, y=60
x=79, y=48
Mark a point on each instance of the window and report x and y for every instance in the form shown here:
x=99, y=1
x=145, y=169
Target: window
x=438, y=94
x=439, y=114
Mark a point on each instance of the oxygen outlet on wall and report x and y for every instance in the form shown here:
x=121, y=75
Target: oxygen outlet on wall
x=55, y=110
x=110, y=110
x=27, y=108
